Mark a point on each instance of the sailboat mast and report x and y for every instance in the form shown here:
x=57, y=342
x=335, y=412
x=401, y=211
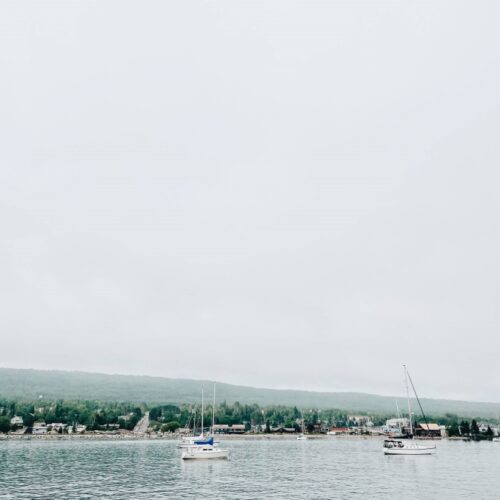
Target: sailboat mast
x=213, y=412
x=202, y=411
x=408, y=397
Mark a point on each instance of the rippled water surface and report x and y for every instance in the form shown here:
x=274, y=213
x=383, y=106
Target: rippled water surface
x=315, y=469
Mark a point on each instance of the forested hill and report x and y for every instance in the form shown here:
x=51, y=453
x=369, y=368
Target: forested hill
x=30, y=384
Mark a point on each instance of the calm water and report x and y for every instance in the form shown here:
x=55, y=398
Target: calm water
x=289, y=469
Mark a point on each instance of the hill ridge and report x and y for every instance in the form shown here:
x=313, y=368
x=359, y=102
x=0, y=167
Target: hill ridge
x=25, y=383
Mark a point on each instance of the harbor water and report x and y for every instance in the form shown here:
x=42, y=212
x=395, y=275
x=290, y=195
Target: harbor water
x=330, y=468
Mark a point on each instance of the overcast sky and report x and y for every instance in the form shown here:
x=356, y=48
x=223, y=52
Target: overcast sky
x=280, y=194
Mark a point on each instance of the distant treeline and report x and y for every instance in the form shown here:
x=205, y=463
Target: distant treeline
x=472, y=430
x=98, y=415
x=17, y=384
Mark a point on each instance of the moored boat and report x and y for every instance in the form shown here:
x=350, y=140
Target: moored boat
x=302, y=436
x=197, y=441
x=406, y=447
x=206, y=447
x=187, y=441
x=204, y=453
x=409, y=446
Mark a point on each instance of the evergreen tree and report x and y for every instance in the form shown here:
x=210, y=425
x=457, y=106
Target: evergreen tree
x=453, y=429
x=464, y=428
x=474, y=429
x=4, y=424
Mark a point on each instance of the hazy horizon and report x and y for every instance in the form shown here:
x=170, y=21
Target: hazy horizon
x=401, y=394
x=276, y=194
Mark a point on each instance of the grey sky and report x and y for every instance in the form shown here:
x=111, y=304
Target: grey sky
x=280, y=194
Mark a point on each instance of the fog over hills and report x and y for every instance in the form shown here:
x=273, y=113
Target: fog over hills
x=31, y=384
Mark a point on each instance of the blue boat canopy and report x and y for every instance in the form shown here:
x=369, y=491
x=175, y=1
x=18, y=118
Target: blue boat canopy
x=209, y=441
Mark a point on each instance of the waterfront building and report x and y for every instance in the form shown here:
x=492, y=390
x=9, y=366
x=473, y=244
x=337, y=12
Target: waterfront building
x=57, y=427
x=395, y=426
x=229, y=429
x=359, y=420
x=16, y=420
x=428, y=430
x=338, y=430
x=39, y=428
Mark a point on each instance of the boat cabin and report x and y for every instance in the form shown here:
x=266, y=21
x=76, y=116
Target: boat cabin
x=393, y=443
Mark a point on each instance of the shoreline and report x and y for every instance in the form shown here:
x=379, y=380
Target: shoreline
x=153, y=437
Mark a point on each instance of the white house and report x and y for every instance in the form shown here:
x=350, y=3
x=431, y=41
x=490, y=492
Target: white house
x=59, y=427
x=482, y=427
x=39, y=428
x=16, y=420
x=395, y=425
x=397, y=422
x=359, y=420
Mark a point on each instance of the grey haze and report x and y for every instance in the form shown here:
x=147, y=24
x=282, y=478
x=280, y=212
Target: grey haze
x=280, y=194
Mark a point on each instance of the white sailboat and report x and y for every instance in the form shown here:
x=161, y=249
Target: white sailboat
x=407, y=446
x=302, y=436
x=205, y=449
x=204, y=452
x=187, y=441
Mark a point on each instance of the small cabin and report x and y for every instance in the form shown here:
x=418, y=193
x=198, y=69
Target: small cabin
x=16, y=420
x=428, y=430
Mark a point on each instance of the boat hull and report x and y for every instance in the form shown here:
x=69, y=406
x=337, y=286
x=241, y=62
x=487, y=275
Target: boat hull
x=191, y=445
x=194, y=454
x=409, y=451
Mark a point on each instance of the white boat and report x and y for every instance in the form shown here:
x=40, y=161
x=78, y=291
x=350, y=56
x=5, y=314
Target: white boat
x=205, y=448
x=302, y=436
x=408, y=446
x=201, y=440
x=187, y=441
x=204, y=453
